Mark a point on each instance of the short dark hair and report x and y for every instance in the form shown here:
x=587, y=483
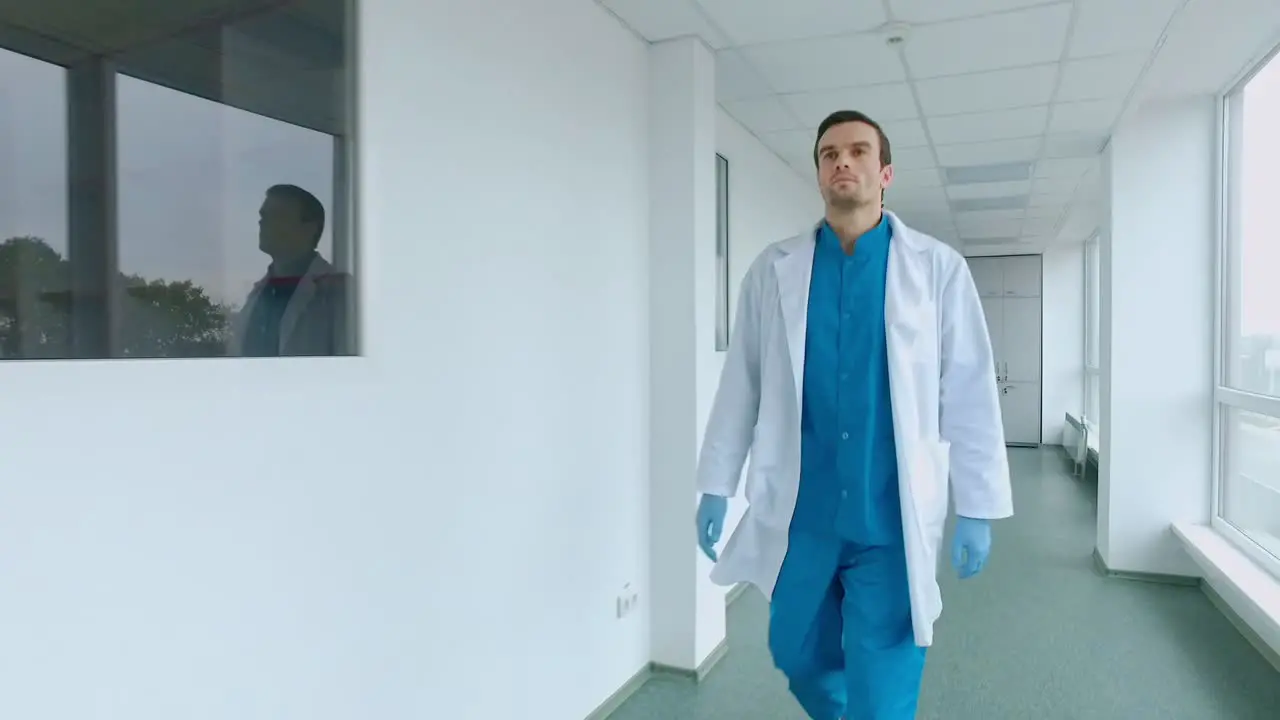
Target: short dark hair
x=310, y=210
x=841, y=117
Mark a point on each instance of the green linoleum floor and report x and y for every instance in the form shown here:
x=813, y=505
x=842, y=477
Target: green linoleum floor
x=1040, y=635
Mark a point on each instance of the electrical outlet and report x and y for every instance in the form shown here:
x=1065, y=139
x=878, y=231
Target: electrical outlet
x=627, y=601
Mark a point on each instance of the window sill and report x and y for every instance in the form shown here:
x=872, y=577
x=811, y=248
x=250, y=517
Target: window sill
x=1251, y=591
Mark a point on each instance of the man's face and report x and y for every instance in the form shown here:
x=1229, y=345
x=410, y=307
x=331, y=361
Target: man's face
x=849, y=172
x=281, y=231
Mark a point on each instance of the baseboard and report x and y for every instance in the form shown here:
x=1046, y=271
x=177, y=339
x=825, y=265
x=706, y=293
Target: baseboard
x=648, y=672
x=622, y=694
x=1159, y=578
x=699, y=674
x=1239, y=623
x=732, y=596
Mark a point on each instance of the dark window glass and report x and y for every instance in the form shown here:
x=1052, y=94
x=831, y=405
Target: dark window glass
x=174, y=179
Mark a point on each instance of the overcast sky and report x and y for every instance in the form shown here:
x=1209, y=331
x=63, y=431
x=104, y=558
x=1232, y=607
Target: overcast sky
x=1260, y=227
x=192, y=175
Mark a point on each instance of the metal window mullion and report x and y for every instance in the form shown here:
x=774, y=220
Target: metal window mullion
x=92, y=208
x=1268, y=405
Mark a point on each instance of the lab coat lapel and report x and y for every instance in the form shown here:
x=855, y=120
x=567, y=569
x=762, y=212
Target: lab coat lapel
x=794, y=271
x=301, y=299
x=907, y=294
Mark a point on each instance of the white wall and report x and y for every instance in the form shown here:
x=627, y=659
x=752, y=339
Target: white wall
x=1157, y=338
x=1062, y=366
x=437, y=530
x=768, y=202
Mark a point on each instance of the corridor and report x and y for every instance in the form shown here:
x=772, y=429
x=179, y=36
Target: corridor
x=1040, y=634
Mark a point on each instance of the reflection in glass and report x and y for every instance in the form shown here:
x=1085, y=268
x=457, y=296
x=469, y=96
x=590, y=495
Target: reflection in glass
x=182, y=195
x=34, y=267
x=722, y=253
x=1251, y=477
x=1254, y=309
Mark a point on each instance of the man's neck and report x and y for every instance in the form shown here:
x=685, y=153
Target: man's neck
x=290, y=267
x=849, y=225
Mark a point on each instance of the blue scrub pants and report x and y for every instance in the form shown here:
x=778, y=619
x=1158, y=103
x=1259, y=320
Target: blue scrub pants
x=840, y=630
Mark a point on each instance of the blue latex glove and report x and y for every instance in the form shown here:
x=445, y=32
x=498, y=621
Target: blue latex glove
x=711, y=512
x=970, y=546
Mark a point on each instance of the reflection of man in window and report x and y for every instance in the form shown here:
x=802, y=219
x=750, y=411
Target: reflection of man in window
x=300, y=306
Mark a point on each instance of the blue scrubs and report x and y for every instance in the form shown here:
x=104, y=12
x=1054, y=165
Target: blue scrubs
x=840, y=622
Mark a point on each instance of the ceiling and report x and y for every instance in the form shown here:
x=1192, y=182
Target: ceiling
x=997, y=110
x=277, y=58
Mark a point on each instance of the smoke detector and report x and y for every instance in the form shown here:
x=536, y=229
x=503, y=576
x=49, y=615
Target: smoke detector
x=895, y=34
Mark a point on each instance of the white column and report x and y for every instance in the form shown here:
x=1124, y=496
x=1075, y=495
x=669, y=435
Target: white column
x=1157, y=317
x=686, y=611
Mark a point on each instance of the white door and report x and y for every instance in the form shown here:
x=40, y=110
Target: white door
x=1020, y=351
x=1020, y=370
x=1021, y=276
x=988, y=275
x=993, y=309
x=1010, y=289
x=1020, y=411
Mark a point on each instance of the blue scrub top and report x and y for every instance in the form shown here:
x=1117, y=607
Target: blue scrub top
x=848, y=463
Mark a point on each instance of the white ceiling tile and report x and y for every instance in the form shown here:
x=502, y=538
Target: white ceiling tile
x=905, y=134
x=750, y=23
x=1105, y=27
x=917, y=196
x=826, y=63
x=929, y=11
x=791, y=143
x=1040, y=226
x=989, y=229
x=1058, y=185
x=916, y=205
x=1074, y=145
x=736, y=79
x=1043, y=212
x=1089, y=116
x=916, y=178
x=993, y=42
x=913, y=158
x=762, y=115
x=1112, y=76
x=985, y=127
x=982, y=92
x=1042, y=200
x=988, y=190
x=988, y=153
x=988, y=216
x=658, y=20
x=1074, y=168
x=880, y=102
x=1209, y=44
x=932, y=222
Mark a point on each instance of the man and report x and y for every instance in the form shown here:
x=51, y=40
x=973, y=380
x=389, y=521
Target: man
x=300, y=306
x=860, y=379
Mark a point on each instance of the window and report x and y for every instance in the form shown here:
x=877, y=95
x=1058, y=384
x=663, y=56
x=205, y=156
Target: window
x=1247, y=483
x=1092, y=330
x=722, y=253
x=176, y=180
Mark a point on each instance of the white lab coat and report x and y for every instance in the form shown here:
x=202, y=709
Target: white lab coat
x=946, y=409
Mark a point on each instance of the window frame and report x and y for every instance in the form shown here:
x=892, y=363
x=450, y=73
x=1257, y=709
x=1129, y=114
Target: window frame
x=1092, y=329
x=344, y=215
x=1229, y=122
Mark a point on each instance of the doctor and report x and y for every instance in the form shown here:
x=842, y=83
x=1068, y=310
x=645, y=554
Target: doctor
x=860, y=379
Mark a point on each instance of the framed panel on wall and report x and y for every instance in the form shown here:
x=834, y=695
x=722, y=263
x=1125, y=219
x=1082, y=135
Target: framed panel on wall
x=722, y=253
